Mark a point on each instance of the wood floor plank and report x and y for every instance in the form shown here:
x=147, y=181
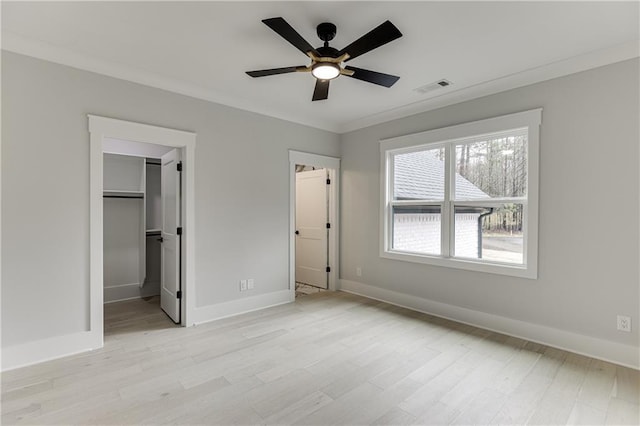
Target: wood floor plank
x=143, y=410
x=598, y=386
x=514, y=372
x=420, y=402
x=205, y=405
x=437, y=413
x=583, y=414
x=622, y=412
x=484, y=405
x=403, y=368
x=395, y=416
x=271, y=398
x=556, y=404
x=523, y=401
x=433, y=367
x=627, y=385
x=298, y=410
x=473, y=383
x=361, y=405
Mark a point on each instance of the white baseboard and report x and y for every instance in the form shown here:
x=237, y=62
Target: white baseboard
x=48, y=349
x=122, y=292
x=240, y=306
x=617, y=353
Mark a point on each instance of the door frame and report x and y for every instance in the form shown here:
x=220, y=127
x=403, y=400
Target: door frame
x=332, y=164
x=104, y=127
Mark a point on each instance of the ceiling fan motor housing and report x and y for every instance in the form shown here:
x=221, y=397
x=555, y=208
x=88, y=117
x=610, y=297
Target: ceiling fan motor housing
x=326, y=31
x=327, y=52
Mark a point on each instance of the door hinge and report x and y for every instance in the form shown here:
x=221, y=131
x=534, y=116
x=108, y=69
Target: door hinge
x=179, y=232
x=328, y=225
x=328, y=268
x=179, y=294
x=179, y=166
x=328, y=181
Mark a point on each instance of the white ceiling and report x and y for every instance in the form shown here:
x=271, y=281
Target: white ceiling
x=133, y=148
x=203, y=48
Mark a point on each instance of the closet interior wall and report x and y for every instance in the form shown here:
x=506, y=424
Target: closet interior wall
x=131, y=227
x=153, y=207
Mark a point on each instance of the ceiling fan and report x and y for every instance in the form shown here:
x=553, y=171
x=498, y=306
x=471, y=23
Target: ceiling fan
x=326, y=61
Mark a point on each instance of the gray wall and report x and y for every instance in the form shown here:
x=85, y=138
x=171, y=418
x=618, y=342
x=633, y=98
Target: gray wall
x=588, y=254
x=241, y=189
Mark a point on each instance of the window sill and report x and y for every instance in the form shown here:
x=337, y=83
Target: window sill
x=469, y=265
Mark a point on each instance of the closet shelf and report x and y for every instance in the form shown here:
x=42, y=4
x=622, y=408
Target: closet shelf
x=122, y=194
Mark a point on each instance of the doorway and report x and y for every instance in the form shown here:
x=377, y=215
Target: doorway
x=112, y=133
x=141, y=216
x=313, y=245
x=312, y=229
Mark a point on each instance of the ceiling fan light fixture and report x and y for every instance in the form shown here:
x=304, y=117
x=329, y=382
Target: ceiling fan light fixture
x=325, y=70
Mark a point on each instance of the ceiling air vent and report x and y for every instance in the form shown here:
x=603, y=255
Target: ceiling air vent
x=433, y=86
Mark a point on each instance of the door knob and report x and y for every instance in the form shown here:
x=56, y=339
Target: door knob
x=297, y=232
x=160, y=239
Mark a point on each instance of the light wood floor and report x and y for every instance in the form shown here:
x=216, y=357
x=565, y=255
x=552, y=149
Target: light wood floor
x=330, y=359
x=305, y=289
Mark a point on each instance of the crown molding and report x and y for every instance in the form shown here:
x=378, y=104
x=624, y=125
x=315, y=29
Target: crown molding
x=594, y=59
x=18, y=44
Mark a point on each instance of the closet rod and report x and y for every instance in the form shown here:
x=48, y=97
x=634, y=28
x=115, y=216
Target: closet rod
x=122, y=196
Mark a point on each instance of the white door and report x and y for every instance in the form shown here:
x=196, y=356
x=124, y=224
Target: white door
x=311, y=228
x=170, y=275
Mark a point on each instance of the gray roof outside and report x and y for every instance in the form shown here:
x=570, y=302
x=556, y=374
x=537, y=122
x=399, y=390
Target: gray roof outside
x=420, y=176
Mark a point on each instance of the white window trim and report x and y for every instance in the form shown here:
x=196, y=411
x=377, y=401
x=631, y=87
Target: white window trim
x=531, y=120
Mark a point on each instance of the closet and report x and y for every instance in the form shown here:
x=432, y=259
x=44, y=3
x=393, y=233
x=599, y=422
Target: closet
x=132, y=227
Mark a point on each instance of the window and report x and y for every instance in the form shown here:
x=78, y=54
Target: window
x=464, y=196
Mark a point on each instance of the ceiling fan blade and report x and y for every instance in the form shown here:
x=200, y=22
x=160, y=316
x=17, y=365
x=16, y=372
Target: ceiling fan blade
x=287, y=32
x=274, y=71
x=381, y=79
x=381, y=35
x=321, y=91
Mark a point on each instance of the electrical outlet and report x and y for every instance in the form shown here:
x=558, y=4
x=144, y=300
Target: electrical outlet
x=359, y=271
x=624, y=323
x=250, y=284
x=243, y=285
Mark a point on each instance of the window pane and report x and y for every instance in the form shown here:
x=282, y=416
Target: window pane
x=491, y=234
x=419, y=175
x=495, y=167
x=417, y=229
